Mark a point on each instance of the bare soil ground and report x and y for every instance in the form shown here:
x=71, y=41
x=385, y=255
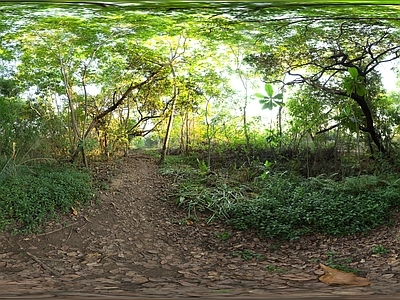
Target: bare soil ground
x=134, y=243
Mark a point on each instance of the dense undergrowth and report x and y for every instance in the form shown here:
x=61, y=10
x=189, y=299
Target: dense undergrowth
x=280, y=203
x=30, y=196
x=272, y=198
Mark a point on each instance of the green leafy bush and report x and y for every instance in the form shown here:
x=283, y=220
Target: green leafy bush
x=37, y=194
x=283, y=205
x=289, y=207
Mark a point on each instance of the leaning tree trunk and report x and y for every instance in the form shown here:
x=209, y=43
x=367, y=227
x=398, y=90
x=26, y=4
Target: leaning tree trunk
x=112, y=108
x=361, y=101
x=370, y=128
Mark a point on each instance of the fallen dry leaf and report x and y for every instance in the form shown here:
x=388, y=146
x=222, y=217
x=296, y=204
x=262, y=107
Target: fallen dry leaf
x=336, y=277
x=74, y=211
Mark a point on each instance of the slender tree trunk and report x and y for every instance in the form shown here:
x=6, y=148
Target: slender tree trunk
x=244, y=80
x=69, y=93
x=171, y=117
x=187, y=133
x=245, y=125
x=208, y=134
x=182, y=138
x=280, y=126
x=168, y=133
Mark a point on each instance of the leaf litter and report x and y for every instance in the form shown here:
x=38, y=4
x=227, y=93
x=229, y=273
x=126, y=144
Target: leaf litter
x=130, y=243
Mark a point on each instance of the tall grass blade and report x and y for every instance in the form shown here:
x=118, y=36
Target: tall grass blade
x=9, y=169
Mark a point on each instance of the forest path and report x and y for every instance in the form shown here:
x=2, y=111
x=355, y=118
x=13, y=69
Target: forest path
x=135, y=244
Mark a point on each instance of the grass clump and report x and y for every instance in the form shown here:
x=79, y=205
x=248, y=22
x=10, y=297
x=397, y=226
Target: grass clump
x=200, y=192
x=35, y=195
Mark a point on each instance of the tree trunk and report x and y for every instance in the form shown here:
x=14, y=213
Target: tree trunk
x=168, y=133
x=112, y=108
x=280, y=125
x=369, y=121
x=208, y=134
x=370, y=128
x=171, y=117
x=187, y=134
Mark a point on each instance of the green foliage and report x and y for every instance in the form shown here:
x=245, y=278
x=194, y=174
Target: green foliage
x=308, y=112
x=280, y=204
x=270, y=100
x=215, y=198
x=247, y=254
x=200, y=192
x=38, y=193
x=276, y=269
x=8, y=169
x=340, y=263
x=354, y=83
x=28, y=125
x=224, y=235
x=350, y=119
x=63, y=56
x=290, y=206
x=203, y=168
x=379, y=250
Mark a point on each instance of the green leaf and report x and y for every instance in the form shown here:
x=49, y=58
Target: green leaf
x=347, y=111
x=258, y=95
x=269, y=89
x=353, y=72
x=269, y=105
x=279, y=96
x=349, y=85
x=360, y=90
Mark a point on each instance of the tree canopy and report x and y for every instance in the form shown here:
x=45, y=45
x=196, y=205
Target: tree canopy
x=95, y=77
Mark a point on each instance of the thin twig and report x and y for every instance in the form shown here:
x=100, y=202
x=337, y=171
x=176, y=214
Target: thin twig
x=44, y=266
x=52, y=259
x=87, y=219
x=79, y=229
x=50, y=232
x=69, y=235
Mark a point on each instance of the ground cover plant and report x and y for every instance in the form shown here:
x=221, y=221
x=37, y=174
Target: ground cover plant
x=36, y=194
x=289, y=207
x=284, y=204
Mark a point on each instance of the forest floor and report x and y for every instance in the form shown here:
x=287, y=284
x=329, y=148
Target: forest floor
x=133, y=243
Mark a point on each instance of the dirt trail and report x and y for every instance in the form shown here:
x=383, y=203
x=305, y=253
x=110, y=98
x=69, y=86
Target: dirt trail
x=135, y=244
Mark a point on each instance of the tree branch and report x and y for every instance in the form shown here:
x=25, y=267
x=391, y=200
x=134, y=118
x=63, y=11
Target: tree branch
x=327, y=129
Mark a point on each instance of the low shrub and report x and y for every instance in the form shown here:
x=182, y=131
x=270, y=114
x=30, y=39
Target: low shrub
x=290, y=206
x=35, y=195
